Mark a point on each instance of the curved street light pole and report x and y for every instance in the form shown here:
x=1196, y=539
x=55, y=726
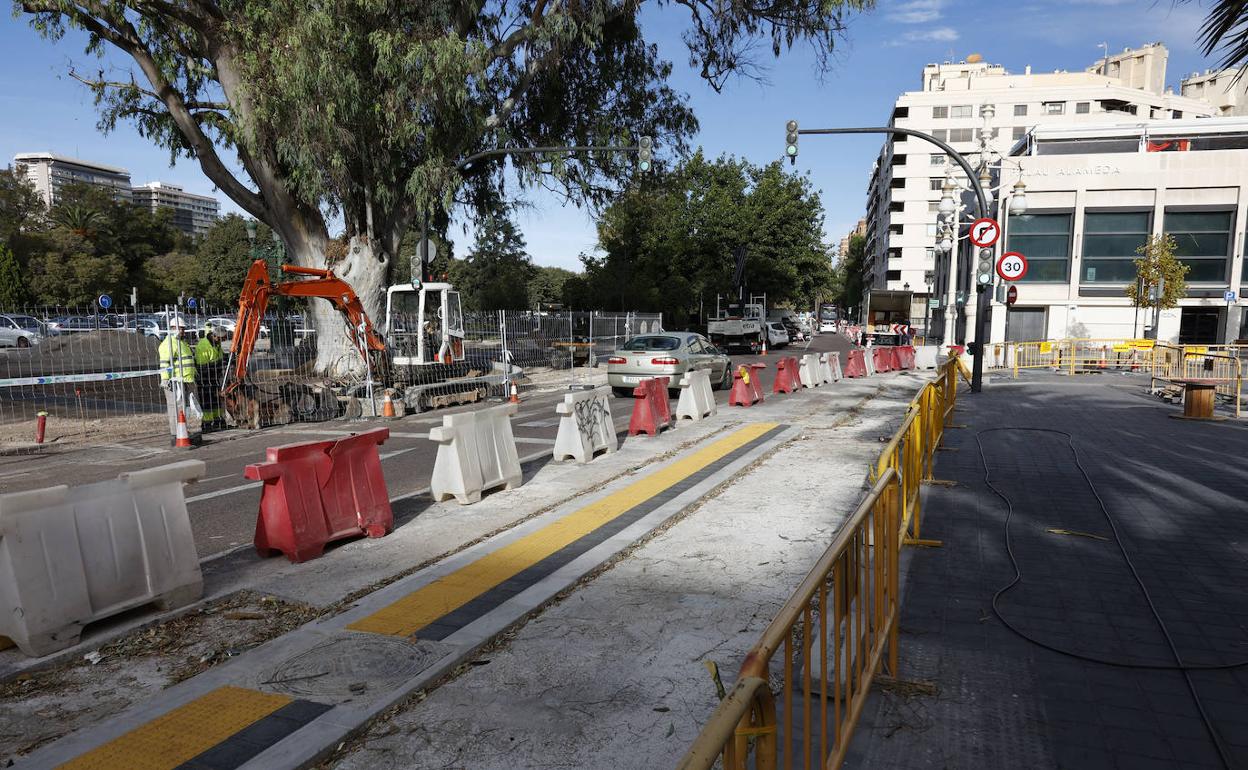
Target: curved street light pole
x=981, y=205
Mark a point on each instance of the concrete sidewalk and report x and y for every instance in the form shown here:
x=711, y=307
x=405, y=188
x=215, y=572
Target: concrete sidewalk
x=372, y=585
x=1177, y=492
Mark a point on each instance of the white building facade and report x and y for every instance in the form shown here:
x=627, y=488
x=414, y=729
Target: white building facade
x=192, y=214
x=49, y=172
x=1094, y=195
x=905, y=186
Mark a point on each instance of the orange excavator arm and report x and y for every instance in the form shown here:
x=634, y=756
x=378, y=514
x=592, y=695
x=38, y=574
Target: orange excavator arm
x=254, y=299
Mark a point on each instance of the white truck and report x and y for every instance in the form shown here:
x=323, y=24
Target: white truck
x=738, y=325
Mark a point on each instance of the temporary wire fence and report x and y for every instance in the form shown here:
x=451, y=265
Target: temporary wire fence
x=95, y=374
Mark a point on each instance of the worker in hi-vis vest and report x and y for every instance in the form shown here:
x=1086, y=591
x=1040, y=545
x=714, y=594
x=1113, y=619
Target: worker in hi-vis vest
x=210, y=371
x=177, y=377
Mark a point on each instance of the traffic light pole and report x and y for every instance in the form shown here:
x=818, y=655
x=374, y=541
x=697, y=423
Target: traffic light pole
x=981, y=203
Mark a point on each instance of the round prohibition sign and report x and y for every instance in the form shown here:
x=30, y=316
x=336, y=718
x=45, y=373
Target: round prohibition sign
x=984, y=232
x=1012, y=266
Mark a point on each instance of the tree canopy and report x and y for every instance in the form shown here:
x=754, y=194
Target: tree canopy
x=669, y=246
x=496, y=273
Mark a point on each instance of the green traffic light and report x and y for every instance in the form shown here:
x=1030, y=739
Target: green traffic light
x=644, y=165
x=791, y=149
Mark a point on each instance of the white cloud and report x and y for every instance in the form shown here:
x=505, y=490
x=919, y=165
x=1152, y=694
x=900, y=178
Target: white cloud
x=917, y=11
x=934, y=35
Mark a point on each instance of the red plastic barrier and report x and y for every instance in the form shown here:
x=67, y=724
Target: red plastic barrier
x=883, y=360
x=905, y=356
x=321, y=491
x=747, y=385
x=652, y=412
x=787, y=378
x=855, y=364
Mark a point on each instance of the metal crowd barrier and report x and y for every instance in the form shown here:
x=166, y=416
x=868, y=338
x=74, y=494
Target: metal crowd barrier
x=840, y=625
x=1172, y=363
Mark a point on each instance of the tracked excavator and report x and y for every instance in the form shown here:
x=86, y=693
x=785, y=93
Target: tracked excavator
x=418, y=359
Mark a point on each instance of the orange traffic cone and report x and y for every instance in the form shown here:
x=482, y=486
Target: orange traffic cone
x=515, y=393
x=387, y=406
x=764, y=347
x=184, y=437
x=1102, y=364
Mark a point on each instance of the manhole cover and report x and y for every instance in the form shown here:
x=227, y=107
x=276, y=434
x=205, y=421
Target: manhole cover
x=352, y=666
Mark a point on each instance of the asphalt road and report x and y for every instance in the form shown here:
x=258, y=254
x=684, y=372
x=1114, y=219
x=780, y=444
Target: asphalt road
x=223, y=504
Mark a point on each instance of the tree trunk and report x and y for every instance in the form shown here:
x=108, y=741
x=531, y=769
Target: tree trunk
x=364, y=268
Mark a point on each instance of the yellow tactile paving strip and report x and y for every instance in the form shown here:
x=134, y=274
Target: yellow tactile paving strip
x=182, y=734
x=421, y=607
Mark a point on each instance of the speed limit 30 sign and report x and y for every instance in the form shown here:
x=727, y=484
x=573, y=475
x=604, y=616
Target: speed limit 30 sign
x=1012, y=266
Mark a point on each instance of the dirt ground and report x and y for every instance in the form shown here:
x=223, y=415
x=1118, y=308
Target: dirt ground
x=41, y=706
x=67, y=430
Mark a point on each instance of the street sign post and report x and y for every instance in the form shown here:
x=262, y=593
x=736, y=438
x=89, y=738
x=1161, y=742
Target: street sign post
x=1012, y=266
x=984, y=232
x=1011, y=295
x=105, y=301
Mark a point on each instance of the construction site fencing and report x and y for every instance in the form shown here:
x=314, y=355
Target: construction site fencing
x=839, y=627
x=95, y=376
x=1172, y=364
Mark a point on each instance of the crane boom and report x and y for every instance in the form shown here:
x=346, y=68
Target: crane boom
x=254, y=299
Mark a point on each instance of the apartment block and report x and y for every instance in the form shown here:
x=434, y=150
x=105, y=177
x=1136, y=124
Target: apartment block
x=905, y=186
x=192, y=214
x=49, y=172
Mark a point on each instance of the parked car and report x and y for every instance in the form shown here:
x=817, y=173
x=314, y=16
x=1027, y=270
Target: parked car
x=792, y=329
x=228, y=324
x=149, y=327
x=13, y=333
x=777, y=335
x=669, y=354
x=827, y=326
x=80, y=323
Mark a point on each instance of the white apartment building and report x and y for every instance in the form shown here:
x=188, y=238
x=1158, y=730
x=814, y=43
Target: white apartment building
x=192, y=214
x=1094, y=194
x=905, y=185
x=1220, y=88
x=49, y=172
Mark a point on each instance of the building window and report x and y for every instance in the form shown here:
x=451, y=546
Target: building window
x=1204, y=239
x=1177, y=114
x=937, y=160
x=1083, y=108
x=894, y=275
x=1020, y=110
x=961, y=135
x=932, y=229
x=940, y=134
x=1019, y=132
x=934, y=206
x=1054, y=108
x=1045, y=239
x=936, y=183
x=930, y=253
x=940, y=113
x=961, y=111
x=1110, y=240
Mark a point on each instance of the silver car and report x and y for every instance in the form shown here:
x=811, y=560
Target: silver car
x=20, y=331
x=666, y=354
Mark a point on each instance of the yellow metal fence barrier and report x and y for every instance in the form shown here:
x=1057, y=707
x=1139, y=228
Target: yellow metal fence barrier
x=1172, y=364
x=840, y=626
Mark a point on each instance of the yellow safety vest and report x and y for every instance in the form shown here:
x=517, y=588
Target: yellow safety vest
x=207, y=353
x=177, y=360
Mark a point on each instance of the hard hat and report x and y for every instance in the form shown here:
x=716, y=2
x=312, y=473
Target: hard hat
x=177, y=323
x=217, y=329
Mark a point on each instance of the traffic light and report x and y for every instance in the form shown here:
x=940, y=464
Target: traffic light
x=645, y=153
x=790, y=141
x=984, y=270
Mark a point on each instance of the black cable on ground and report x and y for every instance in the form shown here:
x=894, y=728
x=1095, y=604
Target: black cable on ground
x=1178, y=665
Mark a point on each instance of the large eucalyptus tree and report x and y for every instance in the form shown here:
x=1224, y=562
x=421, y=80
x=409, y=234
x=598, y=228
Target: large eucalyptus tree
x=360, y=109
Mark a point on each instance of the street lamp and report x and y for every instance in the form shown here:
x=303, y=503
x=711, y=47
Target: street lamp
x=1018, y=201
x=929, y=277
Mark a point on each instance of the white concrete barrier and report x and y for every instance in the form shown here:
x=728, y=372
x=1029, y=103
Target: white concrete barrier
x=925, y=356
x=73, y=555
x=810, y=370
x=476, y=453
x=696, y=399
x=831, y=363
x=585, y=425
x=868, y=359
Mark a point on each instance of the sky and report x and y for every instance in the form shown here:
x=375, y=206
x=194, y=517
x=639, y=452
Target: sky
x=880, y=57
